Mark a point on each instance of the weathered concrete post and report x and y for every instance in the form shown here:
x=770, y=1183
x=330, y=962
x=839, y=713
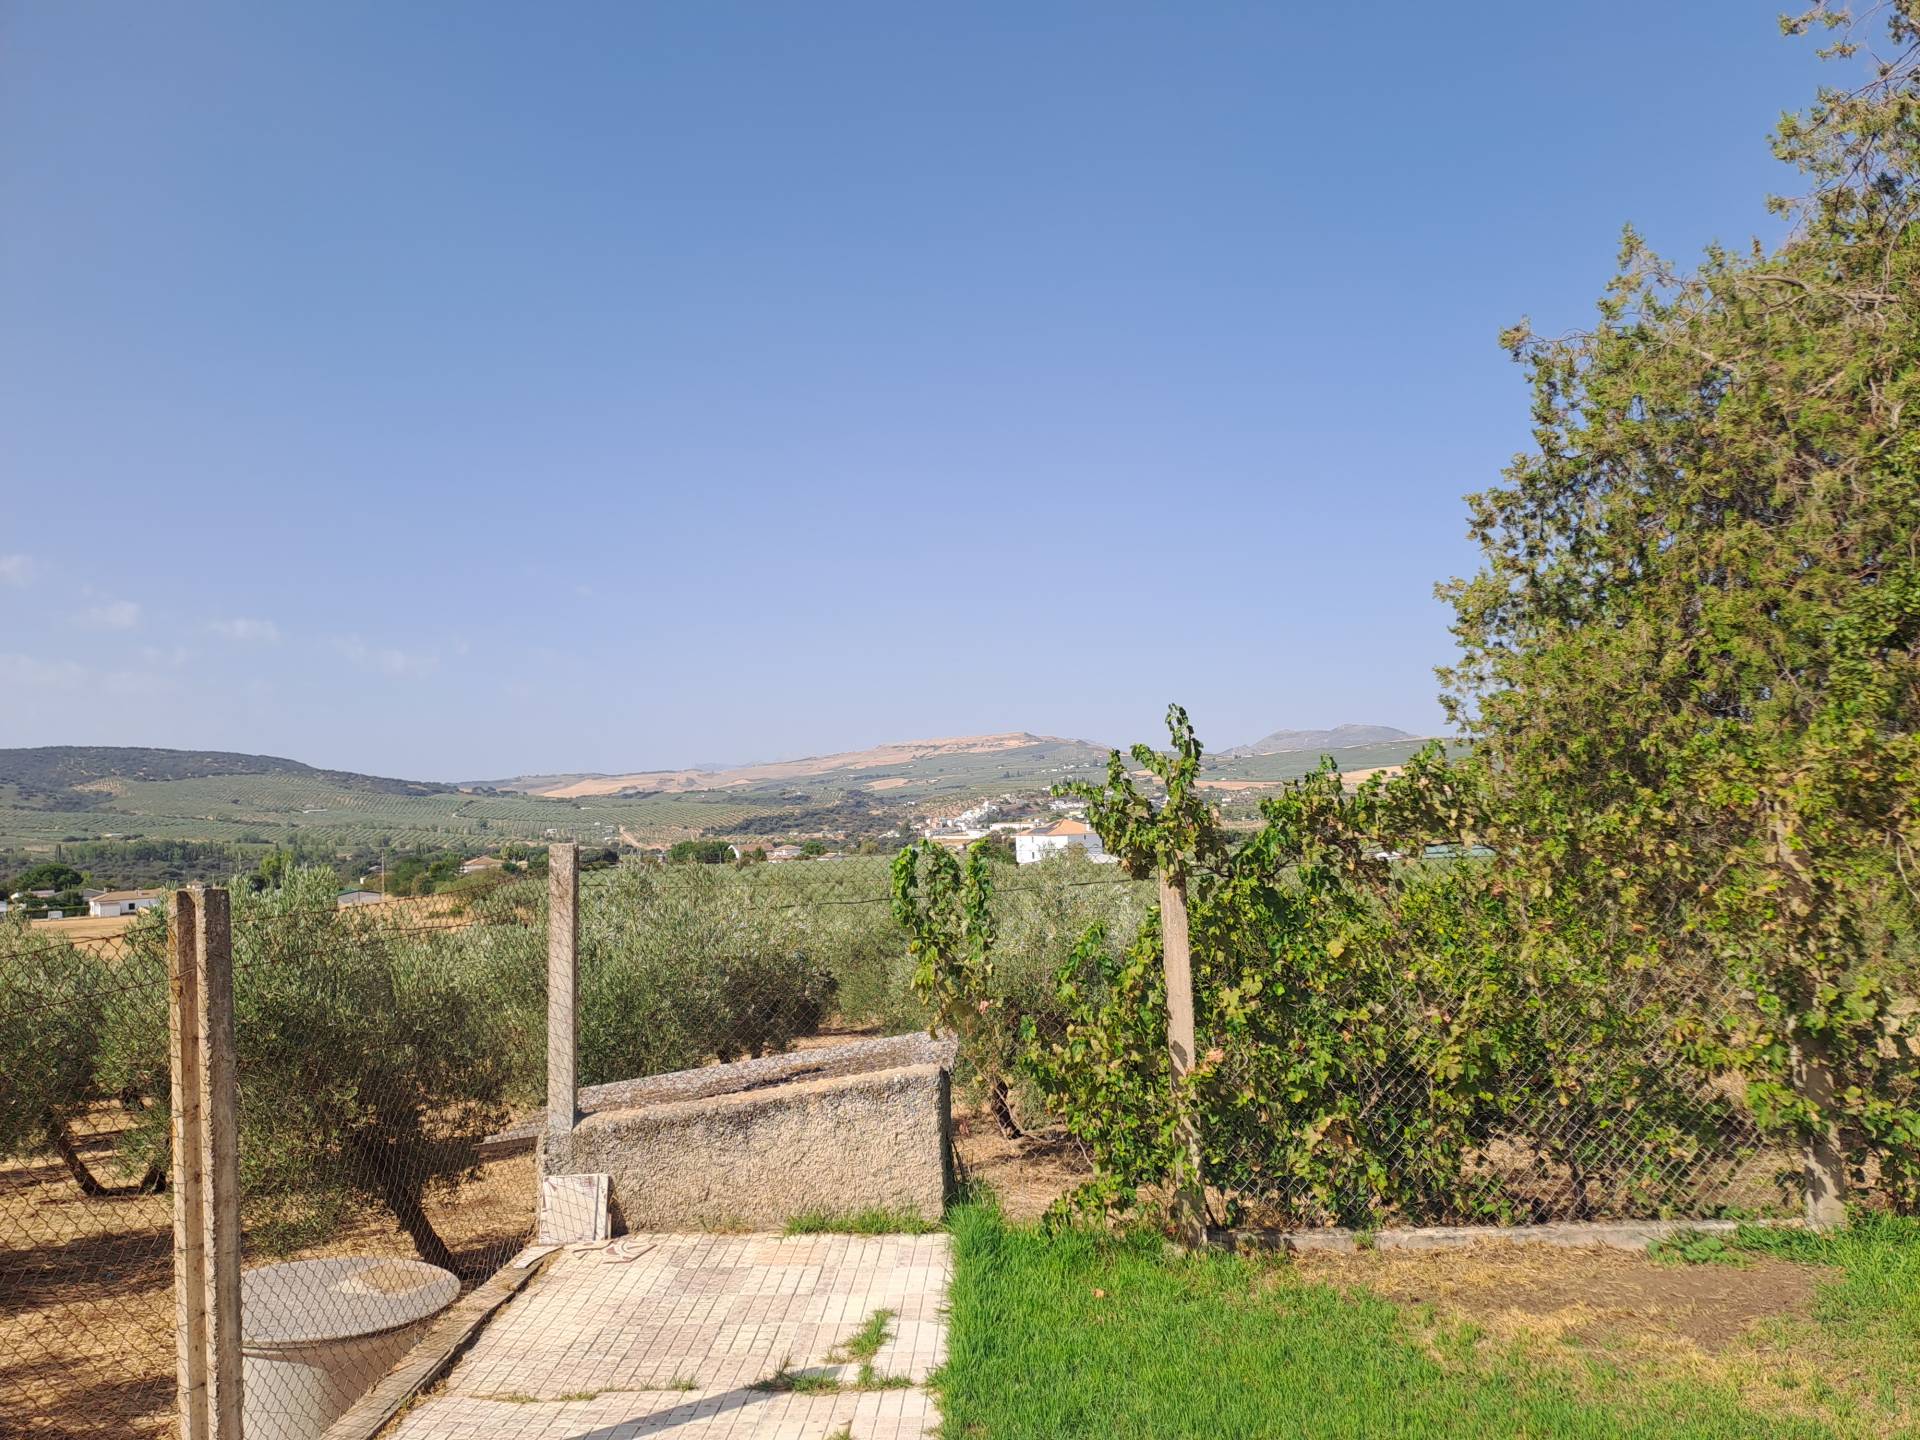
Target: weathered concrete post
x=1189, y=1202
x=1825, y=1161
x=206, y=1164
x=563, y=981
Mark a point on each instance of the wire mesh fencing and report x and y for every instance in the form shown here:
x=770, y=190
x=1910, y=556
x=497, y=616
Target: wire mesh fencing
x=395, y=1072
x=86, y=1230
x=1367, y=1108
x=375, y=1049
x=379, y=1047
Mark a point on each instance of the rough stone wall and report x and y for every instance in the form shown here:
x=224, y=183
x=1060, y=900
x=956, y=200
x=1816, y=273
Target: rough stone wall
x=842, y=1140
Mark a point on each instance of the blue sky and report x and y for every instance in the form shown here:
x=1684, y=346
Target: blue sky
x=459, y=389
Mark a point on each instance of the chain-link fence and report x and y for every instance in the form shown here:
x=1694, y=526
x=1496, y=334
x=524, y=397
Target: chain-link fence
x=1367, y=1106
x=394, y=1078
x=379, y=1046
x=86, y=1230
x=376, y=1048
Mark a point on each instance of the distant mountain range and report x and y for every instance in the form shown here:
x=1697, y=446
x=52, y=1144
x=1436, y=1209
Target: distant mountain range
x=894, y=766
x=1340, y=737
x=1016, y=749
x=53, y=769
x=68, y=793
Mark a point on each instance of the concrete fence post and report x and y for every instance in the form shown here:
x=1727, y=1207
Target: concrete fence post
x=1189, y=1198
x=563, y=983
x=206, y=1163
x=1824, y=1159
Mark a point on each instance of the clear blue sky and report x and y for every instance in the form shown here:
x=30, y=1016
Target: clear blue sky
x=460, y=389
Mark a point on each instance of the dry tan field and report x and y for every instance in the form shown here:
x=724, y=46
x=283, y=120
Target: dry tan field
x=1348, y=778
x=85, y=927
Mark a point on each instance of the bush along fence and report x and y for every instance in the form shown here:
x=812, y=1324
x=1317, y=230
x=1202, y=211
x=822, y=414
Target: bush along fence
x=1314, y=1030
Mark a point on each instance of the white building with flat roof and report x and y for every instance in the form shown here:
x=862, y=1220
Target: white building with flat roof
x=124, y=902
x=1053, y=839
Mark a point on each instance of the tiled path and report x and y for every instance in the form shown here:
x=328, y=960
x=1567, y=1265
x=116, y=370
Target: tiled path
x=667, y=1335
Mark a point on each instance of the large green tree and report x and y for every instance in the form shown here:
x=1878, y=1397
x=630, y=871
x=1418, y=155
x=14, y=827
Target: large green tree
x=1691, y=660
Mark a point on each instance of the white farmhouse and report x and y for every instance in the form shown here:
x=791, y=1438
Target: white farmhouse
x=124, y=902
x=1053, y=839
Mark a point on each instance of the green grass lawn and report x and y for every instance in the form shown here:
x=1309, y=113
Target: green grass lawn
x=1080, y=1335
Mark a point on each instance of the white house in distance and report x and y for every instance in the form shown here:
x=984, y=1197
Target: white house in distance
x=479, y=864
x=1052, y=839
x=124, y=902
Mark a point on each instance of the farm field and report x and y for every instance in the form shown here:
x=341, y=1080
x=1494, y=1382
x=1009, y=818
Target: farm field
x=85, y=927
x=84, y=795
x=252, y=809
x=1293, y=764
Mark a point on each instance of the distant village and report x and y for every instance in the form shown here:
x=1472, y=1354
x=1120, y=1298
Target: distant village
x=1038, y=829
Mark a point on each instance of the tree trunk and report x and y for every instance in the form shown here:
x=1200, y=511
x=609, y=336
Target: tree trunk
x=402, y=1196
x=90, y=1184
x=1002, y=1108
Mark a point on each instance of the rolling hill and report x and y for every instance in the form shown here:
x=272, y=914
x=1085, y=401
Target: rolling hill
x=1340, y=737
x=909, y=762
x=54, y=770
x=74, y=794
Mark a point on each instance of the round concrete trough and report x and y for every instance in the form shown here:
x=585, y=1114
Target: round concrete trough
x=317, y=1334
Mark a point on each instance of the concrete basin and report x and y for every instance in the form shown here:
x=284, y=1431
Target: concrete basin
x=316, y=1335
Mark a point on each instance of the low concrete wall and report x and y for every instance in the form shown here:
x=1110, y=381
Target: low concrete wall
x=846, y=1128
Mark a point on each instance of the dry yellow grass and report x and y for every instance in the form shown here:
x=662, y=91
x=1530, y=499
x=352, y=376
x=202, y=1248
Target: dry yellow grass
x=85, y=927
x=1355, y=777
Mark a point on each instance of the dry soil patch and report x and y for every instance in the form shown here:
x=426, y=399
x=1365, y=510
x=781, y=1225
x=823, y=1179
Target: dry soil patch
x=1583, y=1295
x=1027, y=1175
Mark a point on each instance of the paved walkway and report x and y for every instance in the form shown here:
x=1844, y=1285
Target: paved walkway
x=669, y=1336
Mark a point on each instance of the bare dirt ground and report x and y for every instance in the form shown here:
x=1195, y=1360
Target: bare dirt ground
x=1585, y=1297
x=86, y=1286
x=1027, y=1175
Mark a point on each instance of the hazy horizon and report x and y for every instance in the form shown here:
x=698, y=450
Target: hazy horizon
x=449, y=392
x=704, y=763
